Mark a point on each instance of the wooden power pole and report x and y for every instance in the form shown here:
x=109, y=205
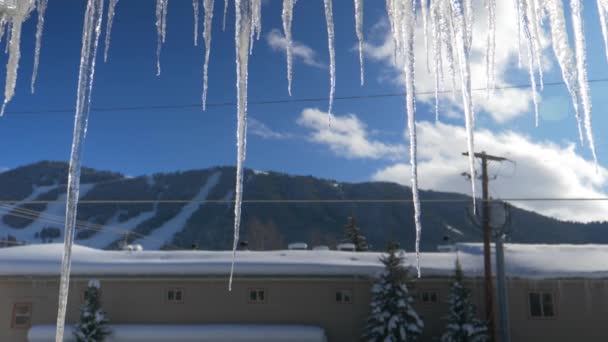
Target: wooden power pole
x=487, y=263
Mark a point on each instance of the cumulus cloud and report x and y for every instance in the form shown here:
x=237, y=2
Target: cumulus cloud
x=347, y=137
x=261, y=130
x=503, y=104
x=301, y=52
x=543, y=169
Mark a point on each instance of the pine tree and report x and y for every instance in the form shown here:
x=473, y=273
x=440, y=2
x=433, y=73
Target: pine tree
x=463, y=326
x=354, y=235
x=93, y=322
x=392, y=316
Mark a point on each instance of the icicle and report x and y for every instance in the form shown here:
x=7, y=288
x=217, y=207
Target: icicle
x=602, y=8
x=243, y=14
x=532, y=11
x=41, y=8
x=447, y=33
x=287, y=17
x=359, y=31
x=110, y=21
x=519, y=4
x=225, y=13
x=437, y=65
x=465, y=77
x=491, y=47
x=195, y=9
x=161, y=29
x=329, y=18
x=401, y=17
x=581, y=66
x=90, y=38
x=208, y=20
x=22, y=11
x=256, y=22
x=469, y=19
x=564, y=56
x=525, y=25
x=3, y=25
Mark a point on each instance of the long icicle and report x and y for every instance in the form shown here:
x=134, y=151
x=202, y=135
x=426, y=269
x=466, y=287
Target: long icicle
x=329, y=19
x=287, y=17
x=527, y=30
x=207, y=21
x=110, y=21
x=359, y=31
x=532, y=11
x=90, y=39
x=195, y=10
x=581, y=66
x=41, y=8
x=564, y=55
x=256, y=23
x=243, y=13
x=465, y=77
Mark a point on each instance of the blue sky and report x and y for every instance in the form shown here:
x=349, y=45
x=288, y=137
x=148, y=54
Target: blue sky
x=367, y=141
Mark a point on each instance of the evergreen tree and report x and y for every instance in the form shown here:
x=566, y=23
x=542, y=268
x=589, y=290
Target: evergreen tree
x=463, y=326
x=392, y=316
x=354, y=235
x=93, y=322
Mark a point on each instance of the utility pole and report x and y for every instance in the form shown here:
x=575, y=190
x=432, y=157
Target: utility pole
x=487, y=263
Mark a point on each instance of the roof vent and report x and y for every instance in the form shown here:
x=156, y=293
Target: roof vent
x=320, y=248
x=298, y=246
x=346, y=247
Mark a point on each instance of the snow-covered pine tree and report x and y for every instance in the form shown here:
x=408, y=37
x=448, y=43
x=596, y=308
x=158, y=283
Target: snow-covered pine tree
x=392, y=316
x=463, y=326
x=93, y=322
x=353, y=235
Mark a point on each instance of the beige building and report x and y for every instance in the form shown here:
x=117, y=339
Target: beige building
x=556, y=293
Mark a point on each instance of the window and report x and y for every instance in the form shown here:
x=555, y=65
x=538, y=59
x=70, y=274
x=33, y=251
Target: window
x=175, y=295
x=344, y=296
x=257, y=296
x=429, y=297
x=22, y=315
x=541, y=305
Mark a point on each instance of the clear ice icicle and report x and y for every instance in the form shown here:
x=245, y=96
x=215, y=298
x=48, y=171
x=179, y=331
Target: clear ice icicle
x=525, y=25
x=21, y=12
x=207, y=21
x=243, y=14
x=287, y=17
x=225, y=14
x=195, y=10
x=402, y=18
x=581, y=66
x=465, y=77
x=437, y=62
x=491, y=46
x=359, y=31
x=90, y=38
x=256, y=22
x=161, y=29
x=564, y=55
x=41, y=9
x=109, y=22
x=329, y=19
x=532, y=12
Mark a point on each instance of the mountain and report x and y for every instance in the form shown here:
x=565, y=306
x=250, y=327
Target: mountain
x=106, y=218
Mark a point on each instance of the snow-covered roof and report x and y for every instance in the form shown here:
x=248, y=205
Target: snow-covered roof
x=525, y=261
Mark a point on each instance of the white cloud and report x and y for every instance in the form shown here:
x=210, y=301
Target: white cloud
x=301, y=52
x=543, y=169
x=503, y=104
x=260, y=129
x=347, y=137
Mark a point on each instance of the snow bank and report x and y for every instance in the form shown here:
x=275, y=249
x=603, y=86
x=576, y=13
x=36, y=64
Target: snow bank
x=191, y=333
x=524, y=261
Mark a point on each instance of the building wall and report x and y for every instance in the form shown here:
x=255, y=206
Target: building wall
x=580, y=305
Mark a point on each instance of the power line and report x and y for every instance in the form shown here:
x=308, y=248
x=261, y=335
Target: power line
x=289, y=201
x=271, y=102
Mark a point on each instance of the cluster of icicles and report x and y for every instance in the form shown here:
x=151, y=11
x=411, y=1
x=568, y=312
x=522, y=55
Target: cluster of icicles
x=448, y=35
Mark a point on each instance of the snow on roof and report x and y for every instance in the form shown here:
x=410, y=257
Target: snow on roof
x=192, y=333
x=525, y=261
